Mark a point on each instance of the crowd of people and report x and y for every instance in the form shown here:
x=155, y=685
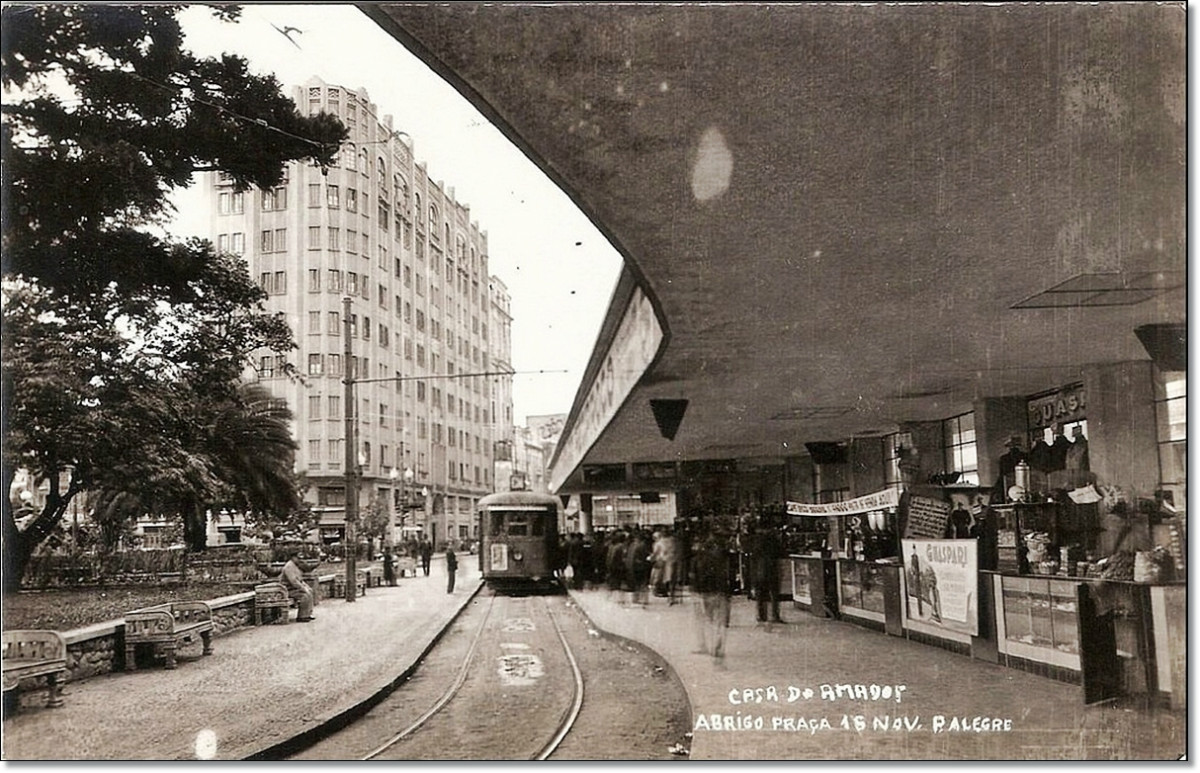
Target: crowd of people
x=635, y=564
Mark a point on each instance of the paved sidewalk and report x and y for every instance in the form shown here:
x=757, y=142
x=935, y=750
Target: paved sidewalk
x=1048, y=718
x=260, y=687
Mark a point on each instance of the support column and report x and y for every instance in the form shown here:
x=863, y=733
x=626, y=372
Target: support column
x=585, y=513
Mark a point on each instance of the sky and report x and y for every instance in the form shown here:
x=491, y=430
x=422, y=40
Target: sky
x=559, y=270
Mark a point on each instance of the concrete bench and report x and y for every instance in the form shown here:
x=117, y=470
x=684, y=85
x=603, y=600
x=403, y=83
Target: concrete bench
x=339, y=584
x=33, y=653
x=272, y=599
x=165, y=627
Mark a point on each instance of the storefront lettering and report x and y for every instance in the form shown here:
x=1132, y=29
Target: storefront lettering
x=947, y=553
x=1065, y=405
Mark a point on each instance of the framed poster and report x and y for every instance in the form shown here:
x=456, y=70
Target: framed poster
x=941, y=581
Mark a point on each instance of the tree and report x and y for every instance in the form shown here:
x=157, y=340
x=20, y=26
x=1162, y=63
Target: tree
x=118, y=343
x=249, y=441
x=239, y=457
x=374, y=518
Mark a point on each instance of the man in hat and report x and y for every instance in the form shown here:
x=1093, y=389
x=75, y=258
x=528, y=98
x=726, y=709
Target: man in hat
x=1008, y=464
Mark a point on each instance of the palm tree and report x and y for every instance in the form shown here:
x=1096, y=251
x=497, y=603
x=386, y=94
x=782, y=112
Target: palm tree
x=252, y=452
x=234, y=453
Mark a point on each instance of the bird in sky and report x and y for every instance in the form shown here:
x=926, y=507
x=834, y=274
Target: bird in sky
x=287, y=33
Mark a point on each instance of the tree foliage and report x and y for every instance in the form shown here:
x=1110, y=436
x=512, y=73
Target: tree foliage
x=375, y=517
x=141, y=116
x=123, y=352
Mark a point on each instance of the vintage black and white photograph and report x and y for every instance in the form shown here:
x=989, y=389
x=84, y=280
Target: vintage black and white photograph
x=594, y=381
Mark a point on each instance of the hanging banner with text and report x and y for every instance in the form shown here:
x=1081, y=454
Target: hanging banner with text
x=941, y=581
x=880, y=500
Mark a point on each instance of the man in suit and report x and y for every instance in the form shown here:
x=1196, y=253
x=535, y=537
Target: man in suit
x=766, y=550
x=451, y=568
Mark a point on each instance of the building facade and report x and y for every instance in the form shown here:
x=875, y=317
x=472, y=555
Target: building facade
x=377, y=229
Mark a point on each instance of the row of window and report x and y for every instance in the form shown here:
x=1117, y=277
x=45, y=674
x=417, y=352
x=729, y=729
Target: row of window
x=276, y=200
x=352, y=283
x=275, y=241
x=355, y=158
x=234, y=202
x=334, y=459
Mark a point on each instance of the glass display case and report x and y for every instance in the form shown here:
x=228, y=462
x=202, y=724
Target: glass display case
x=1018, y=624
x=861, y=586
x=1064, y=620
x=1041, y=613
x=849, y=586
x=802, y=580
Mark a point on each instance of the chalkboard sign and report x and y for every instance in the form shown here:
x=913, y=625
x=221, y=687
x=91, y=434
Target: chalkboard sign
x=926, y=518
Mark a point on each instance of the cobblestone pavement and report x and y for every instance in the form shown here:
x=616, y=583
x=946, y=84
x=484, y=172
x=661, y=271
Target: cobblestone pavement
x=260, y=687
x=1048, y=718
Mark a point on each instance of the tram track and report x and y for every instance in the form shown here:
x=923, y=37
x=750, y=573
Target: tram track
x=504, y=684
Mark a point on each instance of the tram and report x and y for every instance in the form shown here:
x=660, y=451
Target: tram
x=518, y=540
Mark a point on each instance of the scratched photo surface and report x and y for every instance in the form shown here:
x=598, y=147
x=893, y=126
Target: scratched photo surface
x=468, y=382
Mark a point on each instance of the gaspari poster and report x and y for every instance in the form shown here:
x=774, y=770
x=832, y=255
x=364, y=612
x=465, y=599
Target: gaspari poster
x=941, y=583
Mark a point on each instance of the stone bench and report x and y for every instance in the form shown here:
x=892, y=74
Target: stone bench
x=339, y=583
x=272, y=599
x=33, y=653
x=165, y=627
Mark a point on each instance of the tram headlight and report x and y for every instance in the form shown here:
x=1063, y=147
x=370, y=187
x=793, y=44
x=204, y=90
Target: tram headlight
x=516, y=555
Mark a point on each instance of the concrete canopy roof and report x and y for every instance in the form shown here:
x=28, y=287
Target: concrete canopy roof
x=834, y=209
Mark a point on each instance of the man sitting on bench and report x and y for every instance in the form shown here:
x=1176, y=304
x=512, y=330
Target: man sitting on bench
x=292, y=578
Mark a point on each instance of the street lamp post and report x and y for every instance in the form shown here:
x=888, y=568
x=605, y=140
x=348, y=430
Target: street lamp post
x=394, y=476
x=351, y=460
x=409, y=475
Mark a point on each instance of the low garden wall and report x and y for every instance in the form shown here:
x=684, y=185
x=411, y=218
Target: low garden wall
x=100, y=648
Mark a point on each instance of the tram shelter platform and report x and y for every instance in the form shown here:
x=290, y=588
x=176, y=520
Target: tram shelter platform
x=1048, y=719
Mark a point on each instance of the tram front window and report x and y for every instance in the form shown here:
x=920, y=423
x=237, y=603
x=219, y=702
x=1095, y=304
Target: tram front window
x=518, y=525
x=497, y=522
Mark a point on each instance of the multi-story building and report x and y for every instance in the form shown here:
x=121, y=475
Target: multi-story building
x=500, y=348
x=377, y=229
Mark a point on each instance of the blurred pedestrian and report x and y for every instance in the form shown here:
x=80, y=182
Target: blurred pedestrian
x=426, y=550
x=451, y=568
x=637, y=567
x=598, y=558
x=389, y=567
x=672, y=566
x=575, y=560
x=711, y=582
x=615, y=564
x=665, y=557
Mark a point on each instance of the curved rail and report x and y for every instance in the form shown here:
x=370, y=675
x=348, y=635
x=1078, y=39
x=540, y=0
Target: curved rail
x=572, y=714
x=442, y=701
x=560, y=733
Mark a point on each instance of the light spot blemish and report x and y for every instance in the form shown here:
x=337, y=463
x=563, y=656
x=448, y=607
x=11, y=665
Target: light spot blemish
x=713, y=167
x=206, y=745
x=664, y=87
